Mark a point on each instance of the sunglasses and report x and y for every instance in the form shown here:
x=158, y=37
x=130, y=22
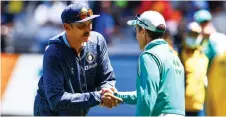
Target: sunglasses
x=137, y=17
x=84, y=14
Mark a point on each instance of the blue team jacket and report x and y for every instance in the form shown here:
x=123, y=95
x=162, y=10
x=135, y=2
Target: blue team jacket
x=70, y=83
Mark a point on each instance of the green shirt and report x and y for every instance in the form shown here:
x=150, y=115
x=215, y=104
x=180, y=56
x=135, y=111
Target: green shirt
x=159, y=83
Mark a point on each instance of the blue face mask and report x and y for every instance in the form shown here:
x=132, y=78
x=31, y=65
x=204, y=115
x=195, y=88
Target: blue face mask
x=192, y=42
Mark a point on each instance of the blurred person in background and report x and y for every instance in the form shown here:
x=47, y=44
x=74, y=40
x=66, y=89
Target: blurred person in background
x=203, y=18
x=195, y=63
x=76, y=67
x=214, y=48
x=123, y=11
x=160, y=74
x=48, y=19
x=216, y=97
x=209, y=45
x=10, y=10
x=106, y=24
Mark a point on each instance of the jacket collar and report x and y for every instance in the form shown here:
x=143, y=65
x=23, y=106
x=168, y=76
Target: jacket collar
x=154, y=43
x=65, y=39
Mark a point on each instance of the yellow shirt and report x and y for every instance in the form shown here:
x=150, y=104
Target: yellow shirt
x=216, y=91
x=195, y=64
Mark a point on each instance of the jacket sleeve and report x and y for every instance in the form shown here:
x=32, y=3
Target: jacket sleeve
x=148, y=85
x=105, y=72
x=53, y=81
x=128, y=97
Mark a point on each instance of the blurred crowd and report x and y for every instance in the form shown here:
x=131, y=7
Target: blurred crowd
x=195, y=31
x=26, y=26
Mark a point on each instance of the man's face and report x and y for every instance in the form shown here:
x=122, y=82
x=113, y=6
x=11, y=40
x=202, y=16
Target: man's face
x=80, y=31
x=193, y=39
x=208, y=30
x=204, y=24
x=140, y=36
x=205, y=29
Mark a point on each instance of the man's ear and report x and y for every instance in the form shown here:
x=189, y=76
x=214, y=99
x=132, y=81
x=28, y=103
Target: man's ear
x=147, y=34
x=143, y=30
x=67, y=27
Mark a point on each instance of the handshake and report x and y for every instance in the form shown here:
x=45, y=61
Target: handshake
x=108, y=98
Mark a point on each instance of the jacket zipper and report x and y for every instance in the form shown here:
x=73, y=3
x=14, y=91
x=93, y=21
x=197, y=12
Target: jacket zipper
x=83, y=72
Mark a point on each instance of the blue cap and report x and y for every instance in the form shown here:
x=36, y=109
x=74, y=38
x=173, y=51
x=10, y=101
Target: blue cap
x=202, y=15
x=77, y=12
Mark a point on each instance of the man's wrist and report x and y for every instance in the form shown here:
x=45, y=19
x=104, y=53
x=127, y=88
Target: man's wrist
x=97, y=95
x=118, y=94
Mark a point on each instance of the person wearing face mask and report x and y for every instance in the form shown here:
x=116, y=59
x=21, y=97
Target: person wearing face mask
x=76, y=67
x=195, y=63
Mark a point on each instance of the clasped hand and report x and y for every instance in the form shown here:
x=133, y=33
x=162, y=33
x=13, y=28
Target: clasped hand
x=108, y=98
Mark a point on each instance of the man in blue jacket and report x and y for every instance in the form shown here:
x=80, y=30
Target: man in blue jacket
x=76, y=67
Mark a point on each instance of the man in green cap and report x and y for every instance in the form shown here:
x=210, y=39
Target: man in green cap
x=203, y=18
x=160, y=74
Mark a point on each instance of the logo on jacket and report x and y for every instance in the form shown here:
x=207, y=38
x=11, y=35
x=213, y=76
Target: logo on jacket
x=90, y=57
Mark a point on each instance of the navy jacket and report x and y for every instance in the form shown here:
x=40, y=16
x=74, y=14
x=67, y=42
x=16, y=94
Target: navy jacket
x=71, y=84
